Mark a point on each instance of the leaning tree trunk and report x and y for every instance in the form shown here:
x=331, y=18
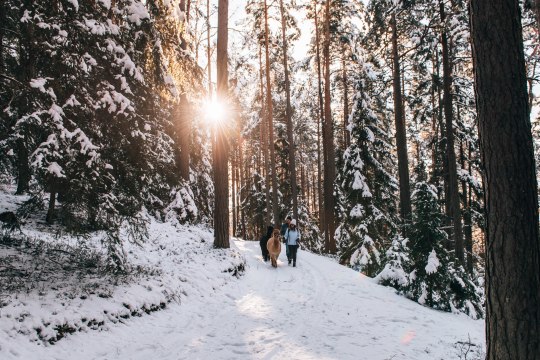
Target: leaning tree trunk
x=511, y=200
x=290, y=138
x=221, y=150
x=401, y=135
x=328, y=142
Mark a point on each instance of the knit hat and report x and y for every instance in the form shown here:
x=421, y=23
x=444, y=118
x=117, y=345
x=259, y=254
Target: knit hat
x=293, y=222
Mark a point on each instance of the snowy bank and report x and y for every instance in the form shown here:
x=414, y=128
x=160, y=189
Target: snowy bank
x=47, y=295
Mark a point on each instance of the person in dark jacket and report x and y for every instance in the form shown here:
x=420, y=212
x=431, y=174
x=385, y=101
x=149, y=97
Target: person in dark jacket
x=263, y=241
x=284, y=228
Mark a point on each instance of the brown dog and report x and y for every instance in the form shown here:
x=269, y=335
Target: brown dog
x=274, y=247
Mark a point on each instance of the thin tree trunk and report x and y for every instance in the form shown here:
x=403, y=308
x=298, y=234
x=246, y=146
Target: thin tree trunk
x=243, y=179
x=270, y=120
x=346, y=134
x=465, y=188
x=26, y=72
x=401, y=132
x=288, y=110
x=221, y=164
x=511, y=198
x=184, y=115
x=184, y=132
x=453, y=187
x=52, y=204
x=264, y=141
x=2, y=32
x=328, y=142
x=233, y=191
x=320, y=121
x=208, y=49
x=468, y=222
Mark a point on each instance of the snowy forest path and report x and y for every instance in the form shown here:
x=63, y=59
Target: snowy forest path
x=318, y=310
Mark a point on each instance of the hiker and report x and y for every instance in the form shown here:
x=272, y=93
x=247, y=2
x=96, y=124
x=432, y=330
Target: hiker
x=292, y=239
x=284, y=228
x=264, y=241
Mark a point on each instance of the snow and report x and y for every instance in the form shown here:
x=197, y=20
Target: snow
x=106, y=3
x=75, y=4
x=357, y=211
x=433, y=263
x=137, y=12
x=318, y=310
x=56, y=170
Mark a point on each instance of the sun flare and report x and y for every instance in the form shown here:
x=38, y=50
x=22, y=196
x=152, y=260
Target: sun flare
x=215, y=112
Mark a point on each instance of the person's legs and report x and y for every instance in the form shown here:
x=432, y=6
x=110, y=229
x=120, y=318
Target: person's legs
x=264, y=251
x=288, y=251
x=294, y=250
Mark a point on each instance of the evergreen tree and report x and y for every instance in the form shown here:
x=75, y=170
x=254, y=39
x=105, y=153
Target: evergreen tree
x=366, y=186
x=435, y=280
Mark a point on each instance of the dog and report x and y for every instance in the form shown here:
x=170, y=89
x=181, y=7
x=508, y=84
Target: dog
x=10, y=221
x=274, y=247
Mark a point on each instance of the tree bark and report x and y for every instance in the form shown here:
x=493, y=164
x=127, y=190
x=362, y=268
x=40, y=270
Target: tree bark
x=264, y=142
x=511, y=200
x=288, y=110
x=270, y=120
x=28, y=58
x=453, y=189
x=320, y=121
x=328, y=142
x=208, y=50
x=466, y=189
x=346, y=134
x=401, y=132
x=221, y=151
x=184, y=132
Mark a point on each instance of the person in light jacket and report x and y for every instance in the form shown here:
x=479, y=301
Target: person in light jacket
x=283, y=230
x=292, y=240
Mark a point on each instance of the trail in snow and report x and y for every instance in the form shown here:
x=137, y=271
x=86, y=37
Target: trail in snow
x=318, y=310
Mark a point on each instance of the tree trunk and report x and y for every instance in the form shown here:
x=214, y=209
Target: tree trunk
x=264, y=142
x=346, y=134
x=221, y=151
x=328, y=142
x=2, y=32
x=270, y=120
x=52, y=204
x=26, y=72
x=233, y=192
x=468, y=222
x=453, y=189
x=290, y=138
x=466, y=189
x=184, y=116
x=184, y=132
x=208, y=49
x=511, y=200
x=320, y=121
x=401, y=132
x=23, y=167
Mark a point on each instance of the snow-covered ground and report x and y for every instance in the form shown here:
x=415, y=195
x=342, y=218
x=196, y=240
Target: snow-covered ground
x=318, y=310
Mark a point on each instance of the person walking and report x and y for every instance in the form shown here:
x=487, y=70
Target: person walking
x=264, y=241
x=284, y=228
x=292, y=239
